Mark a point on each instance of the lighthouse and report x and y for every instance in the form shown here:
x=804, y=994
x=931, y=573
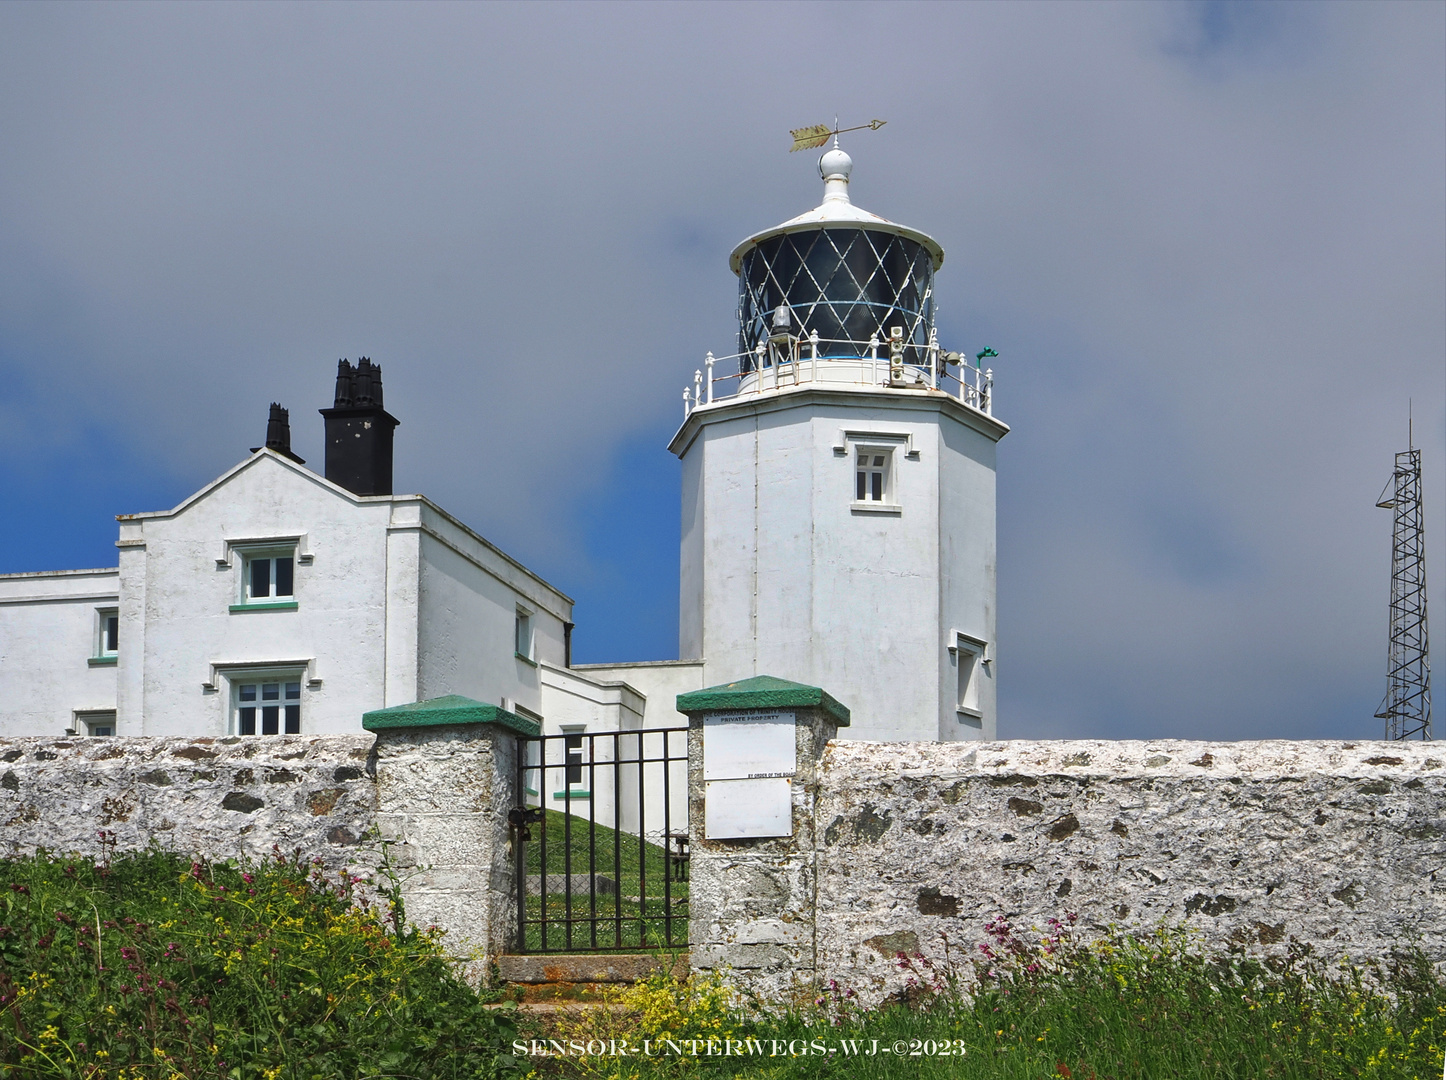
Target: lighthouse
x=838, y=490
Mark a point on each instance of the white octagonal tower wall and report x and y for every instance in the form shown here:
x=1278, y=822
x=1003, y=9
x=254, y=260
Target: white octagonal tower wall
x=786, y=574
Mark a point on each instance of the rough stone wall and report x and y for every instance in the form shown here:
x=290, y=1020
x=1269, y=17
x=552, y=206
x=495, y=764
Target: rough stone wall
x=221, y=798
x=1337, y=845
x=438, y=794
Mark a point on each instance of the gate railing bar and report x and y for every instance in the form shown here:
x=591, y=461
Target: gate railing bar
x=567, y=848
x=592, y=846
x=667, y=855
x=642, y=844
x=618, y=840
x=542, y=831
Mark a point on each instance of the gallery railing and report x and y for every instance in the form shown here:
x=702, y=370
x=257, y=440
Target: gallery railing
x=790, y=360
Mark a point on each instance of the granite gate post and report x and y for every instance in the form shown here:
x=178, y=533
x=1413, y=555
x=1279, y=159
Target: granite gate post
x=446, y=774
x=754, y=750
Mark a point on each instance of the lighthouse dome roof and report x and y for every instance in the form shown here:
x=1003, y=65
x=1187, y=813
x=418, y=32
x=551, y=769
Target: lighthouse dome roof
x=837, y=209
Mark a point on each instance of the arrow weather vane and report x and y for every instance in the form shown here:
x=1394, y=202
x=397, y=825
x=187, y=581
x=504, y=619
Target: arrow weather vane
x=811, y=138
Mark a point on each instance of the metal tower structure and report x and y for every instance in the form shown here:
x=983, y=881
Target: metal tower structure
x=1406, y=707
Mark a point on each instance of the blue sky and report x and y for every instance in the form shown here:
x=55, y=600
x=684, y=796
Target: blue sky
x=1206, y=239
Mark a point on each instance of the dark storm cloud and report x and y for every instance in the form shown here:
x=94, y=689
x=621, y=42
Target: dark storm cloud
x=1206, y=239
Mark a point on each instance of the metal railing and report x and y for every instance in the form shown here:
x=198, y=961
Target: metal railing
x=787, y=360
x=601, y=841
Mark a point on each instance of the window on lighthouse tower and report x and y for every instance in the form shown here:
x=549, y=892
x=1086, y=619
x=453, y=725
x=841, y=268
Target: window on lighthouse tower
x=871, y=479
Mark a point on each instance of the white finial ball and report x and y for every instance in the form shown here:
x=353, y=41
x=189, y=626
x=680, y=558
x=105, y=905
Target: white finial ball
x=835, y=165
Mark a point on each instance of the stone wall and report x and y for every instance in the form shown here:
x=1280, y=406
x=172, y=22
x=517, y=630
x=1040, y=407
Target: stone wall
x=914, y=847
x=223, y=798
x=435, y=783
x=896, y=847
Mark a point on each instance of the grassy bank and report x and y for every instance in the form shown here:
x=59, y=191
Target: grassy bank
x=1041, y=1005
x=642, y=906
x=151, y=966
x=147, y=966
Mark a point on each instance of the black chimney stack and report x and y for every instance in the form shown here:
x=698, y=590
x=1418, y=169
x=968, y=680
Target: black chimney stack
x=359, y=431
x=278, y=433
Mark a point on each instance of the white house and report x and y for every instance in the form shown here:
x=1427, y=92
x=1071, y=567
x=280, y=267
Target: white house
x=277, y=600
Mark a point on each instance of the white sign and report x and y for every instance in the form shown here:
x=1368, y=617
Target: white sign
x=749, y=759
x=749, y=746
x=740, y=809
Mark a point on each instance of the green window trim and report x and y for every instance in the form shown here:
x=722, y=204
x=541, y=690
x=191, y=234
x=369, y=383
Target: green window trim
x=102, y=661
x=265, y=605
x=572, y=794
x=525, y=659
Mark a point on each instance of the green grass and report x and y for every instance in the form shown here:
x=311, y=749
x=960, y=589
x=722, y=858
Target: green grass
x=1044, y=1007
x=151, y=966
x=633, y=864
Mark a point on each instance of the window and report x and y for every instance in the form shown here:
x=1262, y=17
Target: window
x=269, y=577
x=876, y=458
x=100, y=723
x=268, y=708
x=969, y=656
x=107, y=633
x=574, y=775
x=573, y=745
x=522, y=637
x=871, y=475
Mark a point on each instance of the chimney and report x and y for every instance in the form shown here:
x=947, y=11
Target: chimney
x=359, y=431
x=278, y=433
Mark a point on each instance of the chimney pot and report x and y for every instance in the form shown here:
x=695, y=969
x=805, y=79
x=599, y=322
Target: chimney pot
x=278, y=433
x=344, y=384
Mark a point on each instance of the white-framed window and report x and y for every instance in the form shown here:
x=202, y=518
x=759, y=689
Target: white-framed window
x=574, y=763
x=266, y=705
x=969, y=658
x=522, y=638
x=107, y=632
x=573, y=745
x=99, y=722
x=268, y=577
x=873, y=474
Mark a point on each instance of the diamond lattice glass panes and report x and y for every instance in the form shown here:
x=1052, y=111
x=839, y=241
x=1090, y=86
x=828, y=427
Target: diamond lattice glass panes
x=846, y=284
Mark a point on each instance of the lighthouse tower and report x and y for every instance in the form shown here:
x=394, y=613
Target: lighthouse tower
x=838, y=482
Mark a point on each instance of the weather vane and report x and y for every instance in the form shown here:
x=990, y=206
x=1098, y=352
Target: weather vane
x=811, y=138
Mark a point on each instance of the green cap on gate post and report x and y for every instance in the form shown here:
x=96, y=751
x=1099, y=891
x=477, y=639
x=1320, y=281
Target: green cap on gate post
x=762, y=692
x=444, y=711
x=754, y=748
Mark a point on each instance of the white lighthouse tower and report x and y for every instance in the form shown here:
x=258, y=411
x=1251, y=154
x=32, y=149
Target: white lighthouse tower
x=838, y=482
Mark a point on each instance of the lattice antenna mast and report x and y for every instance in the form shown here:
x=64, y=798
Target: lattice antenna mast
x=1407, y=705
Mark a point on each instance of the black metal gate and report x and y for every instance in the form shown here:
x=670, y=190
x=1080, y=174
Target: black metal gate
x=601, y=841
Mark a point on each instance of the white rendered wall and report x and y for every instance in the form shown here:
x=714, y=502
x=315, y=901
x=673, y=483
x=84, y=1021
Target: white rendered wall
x=176, y=598
x=48, y=633
x=658, y=682
x=467, y=618
x=798, y=583
x=574, y=701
